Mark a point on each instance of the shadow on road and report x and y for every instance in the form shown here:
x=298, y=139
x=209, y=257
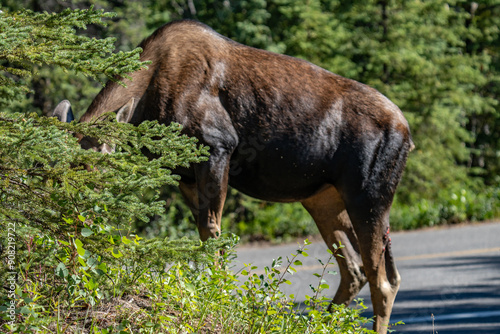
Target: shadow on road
x=449, y=306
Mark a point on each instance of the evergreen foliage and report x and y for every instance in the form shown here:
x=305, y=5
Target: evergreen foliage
x=44, y=179
x=484, y=117
x=43, y=174
x=29, y=39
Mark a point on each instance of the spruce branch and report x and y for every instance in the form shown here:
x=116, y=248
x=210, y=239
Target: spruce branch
x=28, y=39
x=43, y=174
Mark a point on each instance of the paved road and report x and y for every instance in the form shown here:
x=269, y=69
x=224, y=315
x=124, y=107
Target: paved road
x=451, y=278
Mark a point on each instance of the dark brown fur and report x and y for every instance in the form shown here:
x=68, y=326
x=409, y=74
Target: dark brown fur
x=279, y=129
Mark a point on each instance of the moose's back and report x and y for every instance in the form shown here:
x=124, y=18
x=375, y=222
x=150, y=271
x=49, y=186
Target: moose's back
x=274, y=112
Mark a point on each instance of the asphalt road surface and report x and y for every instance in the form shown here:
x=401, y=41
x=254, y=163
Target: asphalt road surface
x=450, y=277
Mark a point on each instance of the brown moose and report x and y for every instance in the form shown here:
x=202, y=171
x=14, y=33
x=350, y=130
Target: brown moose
x=279, y=129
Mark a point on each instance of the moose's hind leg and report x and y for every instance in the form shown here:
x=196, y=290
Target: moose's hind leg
x=378, y=262
x=329, y=213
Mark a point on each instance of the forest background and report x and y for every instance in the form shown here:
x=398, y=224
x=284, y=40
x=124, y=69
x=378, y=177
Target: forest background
x=437, y=60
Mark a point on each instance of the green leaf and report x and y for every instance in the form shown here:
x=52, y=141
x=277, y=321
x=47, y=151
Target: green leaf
x=25, y=310
x=86, y=232
x=98, y=209
x=79, y=247
x=190, y=287
x=116, y=252
x=90, y=284
x=91, y=262
x=137, y=239
x=102, y=269
x=61, y=270
x=82, y=262
x=125, y=240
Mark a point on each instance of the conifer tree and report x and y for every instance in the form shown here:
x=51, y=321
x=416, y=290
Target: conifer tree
x=412, y=52
x=49, y=187
x=483, y=42
x=30, y=39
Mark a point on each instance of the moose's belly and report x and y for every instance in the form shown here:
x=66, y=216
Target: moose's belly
x=278, y=174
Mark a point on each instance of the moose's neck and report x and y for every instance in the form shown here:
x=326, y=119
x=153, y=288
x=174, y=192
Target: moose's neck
x=113, y=96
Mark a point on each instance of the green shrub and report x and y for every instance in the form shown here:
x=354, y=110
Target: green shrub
x=450, y=208
x=162, y=286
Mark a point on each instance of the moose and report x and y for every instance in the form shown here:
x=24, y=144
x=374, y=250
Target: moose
x=279, y=129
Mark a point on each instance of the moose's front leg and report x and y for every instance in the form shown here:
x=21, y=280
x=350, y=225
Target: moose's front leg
x=211, y=181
